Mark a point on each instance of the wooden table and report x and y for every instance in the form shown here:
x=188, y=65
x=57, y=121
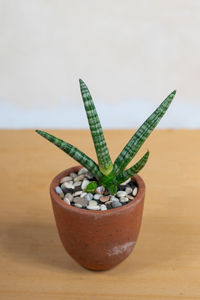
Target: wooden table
x=166, y=261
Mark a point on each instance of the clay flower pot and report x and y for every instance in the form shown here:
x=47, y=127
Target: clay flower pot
x=98, y=240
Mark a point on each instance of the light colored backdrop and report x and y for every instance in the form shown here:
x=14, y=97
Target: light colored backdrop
x=130, y=53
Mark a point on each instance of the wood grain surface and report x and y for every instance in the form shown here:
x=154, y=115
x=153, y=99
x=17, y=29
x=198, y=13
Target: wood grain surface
x=166, y=261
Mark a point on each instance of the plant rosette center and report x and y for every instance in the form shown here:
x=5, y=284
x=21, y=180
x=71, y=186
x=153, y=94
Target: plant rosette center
x=82, y=191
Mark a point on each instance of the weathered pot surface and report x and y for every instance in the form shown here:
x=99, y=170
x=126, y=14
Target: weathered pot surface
x=98, y=240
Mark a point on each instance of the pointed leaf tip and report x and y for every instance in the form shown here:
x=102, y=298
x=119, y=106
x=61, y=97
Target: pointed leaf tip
x=81, y=81
x=174, y=93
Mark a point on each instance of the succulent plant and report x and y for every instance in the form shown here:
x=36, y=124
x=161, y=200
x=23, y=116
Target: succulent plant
x=106, y=173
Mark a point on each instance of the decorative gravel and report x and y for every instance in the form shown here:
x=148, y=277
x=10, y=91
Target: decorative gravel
x=72, y=191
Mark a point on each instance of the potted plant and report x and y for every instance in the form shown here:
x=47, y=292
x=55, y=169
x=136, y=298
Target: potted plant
x=98, y=208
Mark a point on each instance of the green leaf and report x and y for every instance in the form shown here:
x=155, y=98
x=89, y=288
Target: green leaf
x=91, y=187
x=72, y=151
x=104, y=160
x=126, y=174
x=141, y=135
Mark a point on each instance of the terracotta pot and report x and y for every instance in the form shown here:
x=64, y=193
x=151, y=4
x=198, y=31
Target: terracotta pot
x=98, y=240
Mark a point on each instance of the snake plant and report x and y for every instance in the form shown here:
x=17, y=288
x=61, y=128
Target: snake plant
x=109, y=174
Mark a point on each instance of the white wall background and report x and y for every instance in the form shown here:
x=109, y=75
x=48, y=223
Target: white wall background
x=131, y=54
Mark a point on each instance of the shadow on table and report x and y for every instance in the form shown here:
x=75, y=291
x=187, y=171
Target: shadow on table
x=37, y=244
x=162, y=242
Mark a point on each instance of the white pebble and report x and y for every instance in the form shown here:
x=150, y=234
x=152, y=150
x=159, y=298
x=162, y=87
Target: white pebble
x=121, y=194
x=103, y=207
x=85, y=184
x=79, y=178
x=125, y=182
x=69, y=196
x=66, y=200
x=89, y=196
x=78, y=193
x=93, y=203
x=67, y=185
x=100, y=189
x=59, y=192
x=77, y=183
x=128, y=190
x=124, y=199
x=97, y=196
x=113, y=198
x=93, y=207
x=135, y=190
x=66, y=178
x=78, y=205
x=82, y=171
x=73, y=175
x=116, y=204
x=83, y=194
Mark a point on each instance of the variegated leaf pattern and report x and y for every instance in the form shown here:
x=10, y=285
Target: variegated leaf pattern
x=72, y=151
x=126, y=174
x=103, y=156
x=141, y=135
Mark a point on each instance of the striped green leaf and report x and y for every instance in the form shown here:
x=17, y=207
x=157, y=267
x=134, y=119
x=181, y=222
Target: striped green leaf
x=126, y=174
x=104, y=160
x=72, y=151
x=141, y=135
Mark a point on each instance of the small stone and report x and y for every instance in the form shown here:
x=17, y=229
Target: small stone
x=128, y=190
x=130, y=197
x=59, y=191
x=82, y=171
x=104, y=199
x=82, y=201
x=97, y=196
x=78, y=193
x=67, y=185
x=89, y=175
x=85, y=184
x=113, y=198
x=103, y=207
x=108, y=204
x=73, y=175
x=79, y=178
x=93, y=207
x=92, y=202
x=78, y=205
x=135, y=190
x=77, y=183
x=69, y=197
x=66, y=200
x=66, y=178
x=100, y=189
x=83, y=194
x=121, y=194
x=126, y=182
x=89, y=196
x=123, y=199
x=116, y=204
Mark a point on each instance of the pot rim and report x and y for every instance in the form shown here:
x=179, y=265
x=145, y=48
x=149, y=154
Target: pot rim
x=54, y=196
